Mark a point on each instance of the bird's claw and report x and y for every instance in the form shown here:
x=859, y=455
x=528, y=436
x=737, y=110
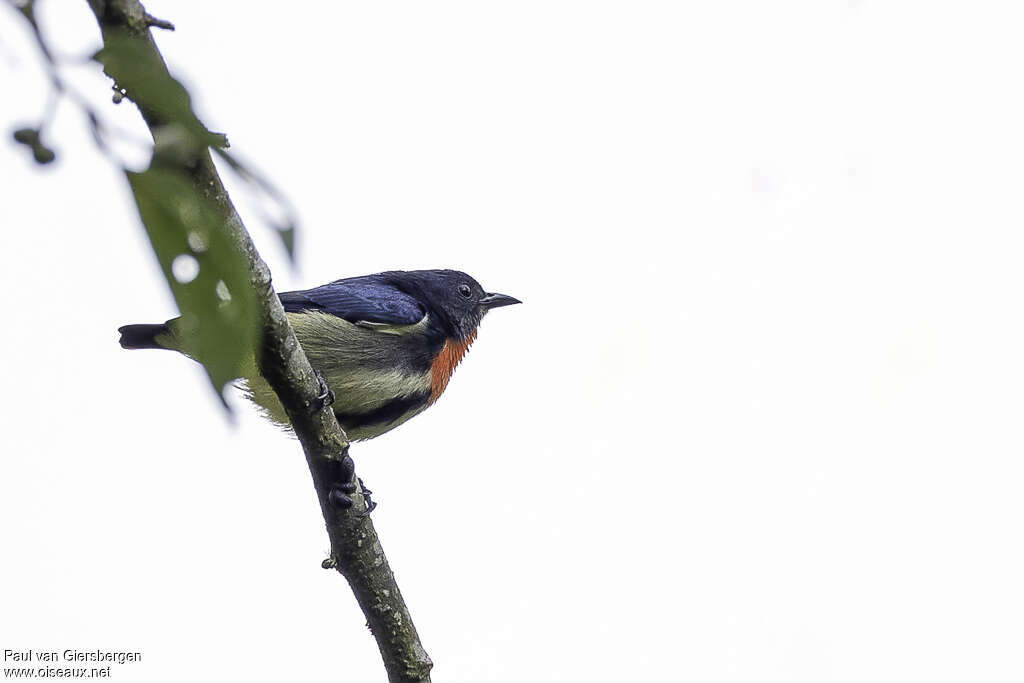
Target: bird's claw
x=324, y=398
x=371, y=504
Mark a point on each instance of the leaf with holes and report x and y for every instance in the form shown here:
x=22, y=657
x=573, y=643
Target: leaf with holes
x=207, y=274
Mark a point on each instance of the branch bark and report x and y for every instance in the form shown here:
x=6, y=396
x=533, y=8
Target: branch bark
x=355, y=548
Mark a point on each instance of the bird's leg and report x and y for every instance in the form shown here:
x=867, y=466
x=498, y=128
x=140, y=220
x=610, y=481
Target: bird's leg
x=324, y=398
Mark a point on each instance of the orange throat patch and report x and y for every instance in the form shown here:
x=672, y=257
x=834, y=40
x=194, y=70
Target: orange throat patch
x=444, y=365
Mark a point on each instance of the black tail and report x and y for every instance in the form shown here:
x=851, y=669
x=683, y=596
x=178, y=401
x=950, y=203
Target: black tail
x=141, y=336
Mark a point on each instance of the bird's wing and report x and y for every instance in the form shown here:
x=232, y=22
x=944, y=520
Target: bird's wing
x=357, y=300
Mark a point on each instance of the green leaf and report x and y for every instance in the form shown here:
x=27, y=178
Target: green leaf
x=142, y=74
x=178, y=134
x=219, y=323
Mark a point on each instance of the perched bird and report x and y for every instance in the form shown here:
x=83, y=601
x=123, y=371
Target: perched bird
x=385, y=344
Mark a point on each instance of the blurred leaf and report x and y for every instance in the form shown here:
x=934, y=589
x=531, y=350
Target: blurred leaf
x=218, y=321
x=287, y=235
x=141, y=73
x=179, y=135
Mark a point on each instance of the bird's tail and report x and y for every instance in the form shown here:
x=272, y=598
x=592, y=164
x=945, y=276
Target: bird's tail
x=142, y=336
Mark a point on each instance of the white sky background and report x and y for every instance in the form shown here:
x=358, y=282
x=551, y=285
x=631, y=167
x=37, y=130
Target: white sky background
x=758, y=419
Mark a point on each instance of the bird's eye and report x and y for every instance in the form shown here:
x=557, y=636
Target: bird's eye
x=465, y=291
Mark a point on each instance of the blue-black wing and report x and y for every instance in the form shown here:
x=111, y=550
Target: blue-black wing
x=357, y=299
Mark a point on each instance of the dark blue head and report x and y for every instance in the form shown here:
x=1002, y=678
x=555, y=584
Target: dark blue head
x=451, y=297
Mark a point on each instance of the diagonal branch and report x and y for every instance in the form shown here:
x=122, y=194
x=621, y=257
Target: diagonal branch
x=355, y=549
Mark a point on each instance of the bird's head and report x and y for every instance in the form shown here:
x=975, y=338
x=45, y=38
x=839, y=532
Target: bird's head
x=456, y=299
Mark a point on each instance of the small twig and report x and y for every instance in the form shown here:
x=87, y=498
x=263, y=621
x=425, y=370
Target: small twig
x=158, y=23
x=58, y=90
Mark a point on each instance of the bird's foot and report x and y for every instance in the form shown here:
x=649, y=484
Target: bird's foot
x=324, y=398
x=344, y=485
x=342, y=477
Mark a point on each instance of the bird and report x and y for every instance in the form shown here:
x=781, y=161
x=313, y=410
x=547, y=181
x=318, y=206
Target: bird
x=384, y=345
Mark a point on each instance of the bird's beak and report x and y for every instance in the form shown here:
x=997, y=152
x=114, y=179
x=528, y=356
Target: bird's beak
x=492, y=300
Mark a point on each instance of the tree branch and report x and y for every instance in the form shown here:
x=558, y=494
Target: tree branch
x=355, y=549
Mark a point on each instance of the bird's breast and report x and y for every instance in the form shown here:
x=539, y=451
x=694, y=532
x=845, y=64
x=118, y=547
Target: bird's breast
x=448, y=358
